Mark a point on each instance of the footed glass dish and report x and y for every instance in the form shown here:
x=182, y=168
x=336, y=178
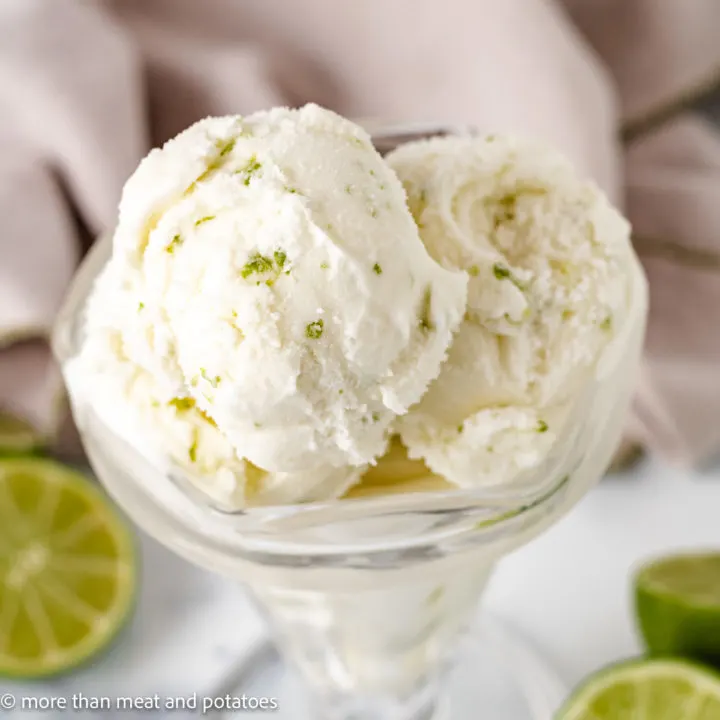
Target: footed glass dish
x=371, y=602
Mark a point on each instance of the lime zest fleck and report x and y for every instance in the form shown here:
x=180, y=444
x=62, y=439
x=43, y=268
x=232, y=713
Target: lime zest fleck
x=141, y=306
x=348, y=189
x=417, y=204
x=182, y=404
x=375, y=417
x=373, y=212
x=280, y=258
x=426, y=323
x=192, y=450
x=372, y=172
x=502, y=272
x=175, y=242
x=250, y=169
x=261, y=264
x=205, y=219
x=291, y=190
x=377, y=269
x=256, y=264
x=324, y=266
x=508, y=210
x=473, y=271
x=314, y=330
x=607, y=323
x=515, y=323
x=460, y=427
x=206, y=417
x=214, y=381
x=542, y=426
x=227, y=147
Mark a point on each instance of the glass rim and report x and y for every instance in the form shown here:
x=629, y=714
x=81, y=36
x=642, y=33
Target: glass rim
x=263, y=528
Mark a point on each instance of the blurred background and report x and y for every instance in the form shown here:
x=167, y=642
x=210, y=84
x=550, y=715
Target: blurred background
x=629, y=89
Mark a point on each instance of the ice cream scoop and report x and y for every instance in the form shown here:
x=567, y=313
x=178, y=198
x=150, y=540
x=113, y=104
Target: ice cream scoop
x=269, y=304
x=548, y=259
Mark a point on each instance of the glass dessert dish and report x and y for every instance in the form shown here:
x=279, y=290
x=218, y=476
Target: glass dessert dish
x=371, y=601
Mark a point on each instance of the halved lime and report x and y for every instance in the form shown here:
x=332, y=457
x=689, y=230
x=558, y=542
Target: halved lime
x=16, y=435
x=677, y=601
x=67, y=568
x=657, y=689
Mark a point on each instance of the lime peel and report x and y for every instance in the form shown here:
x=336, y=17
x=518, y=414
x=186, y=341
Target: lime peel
x=656, y=689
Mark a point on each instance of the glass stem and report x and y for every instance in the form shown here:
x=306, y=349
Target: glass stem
x=373, y=644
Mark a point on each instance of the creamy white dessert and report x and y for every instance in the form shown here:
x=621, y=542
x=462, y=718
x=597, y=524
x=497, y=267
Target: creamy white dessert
x=289, y=317
x=549, y=261
x=269, y=309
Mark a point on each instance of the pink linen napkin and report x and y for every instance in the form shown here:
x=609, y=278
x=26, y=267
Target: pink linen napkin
x=87, y=87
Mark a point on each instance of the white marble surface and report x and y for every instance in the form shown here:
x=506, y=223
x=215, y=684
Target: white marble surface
x=568, y=591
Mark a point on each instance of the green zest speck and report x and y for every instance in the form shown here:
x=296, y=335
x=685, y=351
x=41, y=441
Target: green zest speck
x=227, y=147
x=426, y=323
x=141, y=306
x=291, y=190
x=260, y=264
x=606, y=324
x=460, y=427
x=192, y=451
x=500, y=271
x=503, y=273
x=182, y=404
x=377, y=269
x=473, y=271
x=542, y=426
x=314, y=330
x=417, y=207
x=375, y=417
x=205, y=219
x=348, y=189
x=214, y=381
x=177, y=240
x=249, y=170
x=324, y=266
x=256, y=264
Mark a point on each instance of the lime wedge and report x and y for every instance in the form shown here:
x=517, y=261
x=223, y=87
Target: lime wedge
x=647, y=690
x=67, y=568
x=677, y=602
x=16, y=436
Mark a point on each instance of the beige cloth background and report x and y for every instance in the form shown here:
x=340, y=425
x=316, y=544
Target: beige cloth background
x=87, y=87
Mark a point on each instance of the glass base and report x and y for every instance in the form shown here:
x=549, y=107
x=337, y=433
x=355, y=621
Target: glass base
x=498, y=675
